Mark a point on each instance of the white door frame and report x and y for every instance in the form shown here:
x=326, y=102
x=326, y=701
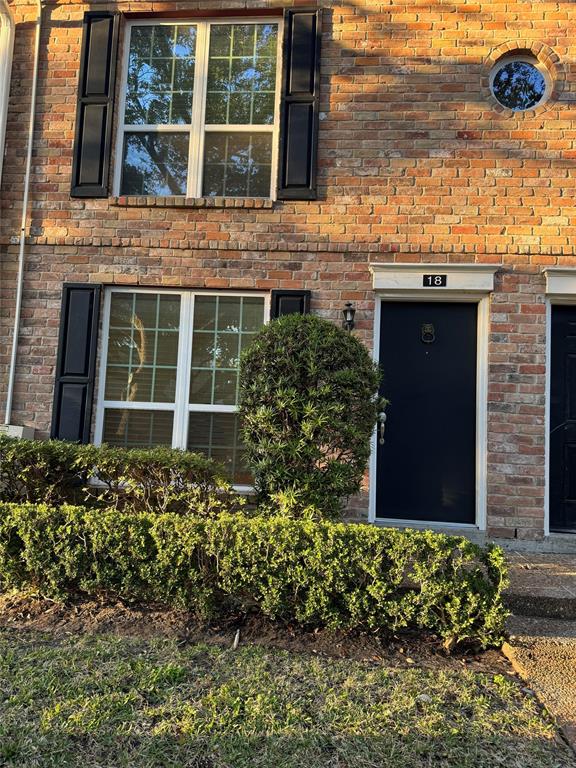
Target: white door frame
x=560, y=291
x=547, y=385
x=466, y=283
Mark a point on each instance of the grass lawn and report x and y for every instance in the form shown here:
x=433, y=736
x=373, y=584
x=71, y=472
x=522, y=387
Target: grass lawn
x=101, y=700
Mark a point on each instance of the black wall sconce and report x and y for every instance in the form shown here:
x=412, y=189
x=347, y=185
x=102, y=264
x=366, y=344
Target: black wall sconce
x=349, y=313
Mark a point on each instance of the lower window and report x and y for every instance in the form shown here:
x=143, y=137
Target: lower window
x=169, y=372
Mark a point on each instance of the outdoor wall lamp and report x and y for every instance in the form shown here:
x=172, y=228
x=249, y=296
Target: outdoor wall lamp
x=348, y=312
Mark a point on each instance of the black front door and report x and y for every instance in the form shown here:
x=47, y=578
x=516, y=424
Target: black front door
x=426, y=469
x=563, y=420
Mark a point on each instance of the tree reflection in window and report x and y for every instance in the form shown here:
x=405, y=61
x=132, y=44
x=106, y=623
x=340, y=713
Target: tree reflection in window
x=172, y=146
x=519, y=85
x=160, y=82
x=155, y=164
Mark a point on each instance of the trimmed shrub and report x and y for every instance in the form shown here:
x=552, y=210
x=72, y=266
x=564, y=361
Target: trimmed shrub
x=145, y=480
x=40, y=471
x=308, y=406
x=315, y=573
x=157, y=480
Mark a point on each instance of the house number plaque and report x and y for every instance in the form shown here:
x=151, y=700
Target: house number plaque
x=434, y=281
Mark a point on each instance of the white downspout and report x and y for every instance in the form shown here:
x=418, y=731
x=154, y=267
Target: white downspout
x=23, y=223
x=6, y=48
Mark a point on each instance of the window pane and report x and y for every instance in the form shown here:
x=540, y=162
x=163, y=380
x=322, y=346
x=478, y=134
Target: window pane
x=247, y=339
x=519, y=85
x=146, y=309
x=243, y=39
x=229, y=308
x=137, y=429
x=169, y=312
x=154, y=164
x=223, y=326
x=266, y=41
x=218, y=435
x=201, y=386
x=121, y=310
x=167, y=347
x=185, y=46
x=225, y=387
x=252, y=318
x=205, y=313
x=220, y=40
x=160, y=75
x=203, y=349
x=226, y=350
x=163, y=40
x=164, y=385
x=120, y=346
x=237, y=164
x=142, y=356
x=241, y=74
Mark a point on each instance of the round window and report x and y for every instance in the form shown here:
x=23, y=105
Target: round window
x=520, y=83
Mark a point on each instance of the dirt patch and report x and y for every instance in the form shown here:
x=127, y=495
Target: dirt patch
x=21, y=611
x=30, y=612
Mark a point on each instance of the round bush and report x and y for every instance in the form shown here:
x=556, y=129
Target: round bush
x=308, y=405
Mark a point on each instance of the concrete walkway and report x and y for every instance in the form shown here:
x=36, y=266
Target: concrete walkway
x=542, y=585
x=542, y=645
x=543, y=653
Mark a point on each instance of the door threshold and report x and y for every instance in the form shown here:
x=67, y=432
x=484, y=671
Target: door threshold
x=562, y=531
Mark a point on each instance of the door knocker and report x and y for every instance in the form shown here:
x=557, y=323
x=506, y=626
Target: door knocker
x=428, y=334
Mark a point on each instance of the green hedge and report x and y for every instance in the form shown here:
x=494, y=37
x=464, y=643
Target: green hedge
x=317, y=573
x=145, y=480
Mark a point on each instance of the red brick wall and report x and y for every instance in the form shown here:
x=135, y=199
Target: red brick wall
x=416, y=164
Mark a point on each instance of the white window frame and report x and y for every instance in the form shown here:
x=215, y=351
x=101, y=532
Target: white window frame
x=181, y=407
x=197, y=128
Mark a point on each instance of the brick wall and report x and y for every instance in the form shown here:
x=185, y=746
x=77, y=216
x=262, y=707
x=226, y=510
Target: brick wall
x=416, y=163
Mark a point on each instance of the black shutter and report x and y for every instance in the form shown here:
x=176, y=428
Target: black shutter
x=91, y=160
x=290, y=303
x=76, y=363
x=300, y=103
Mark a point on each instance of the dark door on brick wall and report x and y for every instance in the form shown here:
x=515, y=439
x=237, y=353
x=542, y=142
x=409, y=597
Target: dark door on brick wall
x=426, y=469
x=563, y=420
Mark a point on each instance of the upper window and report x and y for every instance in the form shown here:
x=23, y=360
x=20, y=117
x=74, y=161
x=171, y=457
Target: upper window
x=169, y=374
x=519, y=83
x=200, y=109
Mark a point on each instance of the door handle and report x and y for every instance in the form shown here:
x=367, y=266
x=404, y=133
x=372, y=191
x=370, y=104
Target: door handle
x=382, y=421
